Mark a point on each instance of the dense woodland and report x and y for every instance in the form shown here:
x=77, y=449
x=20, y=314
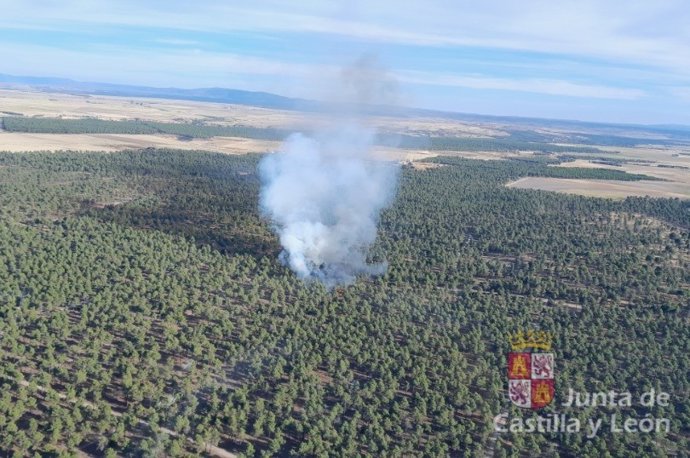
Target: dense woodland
x=104, y=126
x=514, y=142
x=143, y=312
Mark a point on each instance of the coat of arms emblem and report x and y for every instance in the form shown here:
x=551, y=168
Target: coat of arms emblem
x=531, y=370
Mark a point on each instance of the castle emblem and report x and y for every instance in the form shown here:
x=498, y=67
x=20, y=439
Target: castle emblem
x=531, y=370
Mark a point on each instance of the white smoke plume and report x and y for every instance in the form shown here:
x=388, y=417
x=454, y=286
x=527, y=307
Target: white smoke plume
x=324, y=193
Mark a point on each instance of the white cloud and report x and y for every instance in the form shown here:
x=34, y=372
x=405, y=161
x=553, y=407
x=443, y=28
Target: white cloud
x=638, y=32
x=181, y=67
x=177, y=42
x=681, y=92
x=626, y=56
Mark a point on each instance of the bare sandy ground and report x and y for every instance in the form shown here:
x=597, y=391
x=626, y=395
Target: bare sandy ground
x=605, y=188
x=28, y=103
x=667, y=163
x=19, y=142
x=673, y=162
x=34, y=103
x=486, y=155
x=659, y=155
x=671, y=172
x=585, y=164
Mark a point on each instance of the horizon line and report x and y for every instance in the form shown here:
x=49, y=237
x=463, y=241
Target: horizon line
x=295, y=100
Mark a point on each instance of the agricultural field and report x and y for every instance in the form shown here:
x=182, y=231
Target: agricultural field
x=38, y=121
x=605, y=188
x=669, y=165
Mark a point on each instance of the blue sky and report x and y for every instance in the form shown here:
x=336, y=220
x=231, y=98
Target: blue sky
x=618, y=61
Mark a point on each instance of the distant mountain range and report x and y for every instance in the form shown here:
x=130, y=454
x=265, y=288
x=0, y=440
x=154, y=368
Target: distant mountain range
x=268, y=100
x=214, y=94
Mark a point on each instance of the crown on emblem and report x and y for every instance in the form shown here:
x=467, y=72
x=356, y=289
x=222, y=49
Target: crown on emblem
x=534, y=339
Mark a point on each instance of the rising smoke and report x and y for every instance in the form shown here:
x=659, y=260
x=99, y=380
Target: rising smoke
x=324, y=192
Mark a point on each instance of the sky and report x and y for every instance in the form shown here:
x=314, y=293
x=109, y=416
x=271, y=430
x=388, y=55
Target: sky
x=595, y=60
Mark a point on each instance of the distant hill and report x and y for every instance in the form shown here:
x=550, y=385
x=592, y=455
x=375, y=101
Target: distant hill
x=603, y=133
x=214, y=94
